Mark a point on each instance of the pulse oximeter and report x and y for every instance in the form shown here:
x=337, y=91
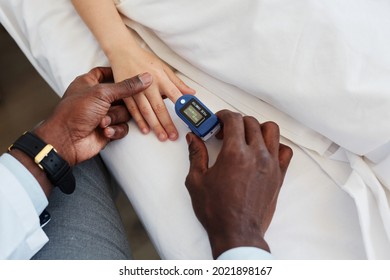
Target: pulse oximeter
x=197, y=116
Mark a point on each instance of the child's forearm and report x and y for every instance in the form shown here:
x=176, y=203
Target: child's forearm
x=103, y=19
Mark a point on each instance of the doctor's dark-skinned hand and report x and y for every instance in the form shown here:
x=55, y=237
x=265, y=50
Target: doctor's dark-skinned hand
x=235, y=199
x=89, y=115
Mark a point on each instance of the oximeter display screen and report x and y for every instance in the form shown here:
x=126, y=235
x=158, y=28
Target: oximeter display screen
x=195, y=113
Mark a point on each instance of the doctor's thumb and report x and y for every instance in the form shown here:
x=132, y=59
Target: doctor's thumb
x=198, y=155
x=130, y=87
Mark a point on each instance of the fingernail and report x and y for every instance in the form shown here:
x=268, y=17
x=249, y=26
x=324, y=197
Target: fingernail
x=173, y=136
x=189, y=138
x=110, y=132
x=145, y=130
x=145, y=78
x=106, y=121
x=162, y=137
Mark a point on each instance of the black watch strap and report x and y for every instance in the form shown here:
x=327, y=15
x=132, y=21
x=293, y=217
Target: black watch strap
x=57, y=169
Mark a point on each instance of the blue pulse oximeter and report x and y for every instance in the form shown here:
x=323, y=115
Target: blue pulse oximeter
x=197, y=116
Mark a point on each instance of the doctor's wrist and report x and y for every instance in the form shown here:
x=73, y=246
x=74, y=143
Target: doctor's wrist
x=52, y=133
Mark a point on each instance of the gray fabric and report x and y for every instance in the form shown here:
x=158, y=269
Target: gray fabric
x=86, y=224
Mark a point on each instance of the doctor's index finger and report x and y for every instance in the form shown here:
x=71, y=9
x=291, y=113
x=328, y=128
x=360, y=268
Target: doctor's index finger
x=96, y=76
x=233, y=127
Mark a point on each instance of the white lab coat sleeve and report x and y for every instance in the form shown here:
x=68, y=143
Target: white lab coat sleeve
x=22, y=200
x=245, y=253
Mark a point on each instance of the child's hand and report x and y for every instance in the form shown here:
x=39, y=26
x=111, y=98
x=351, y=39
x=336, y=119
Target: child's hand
x=148, y=108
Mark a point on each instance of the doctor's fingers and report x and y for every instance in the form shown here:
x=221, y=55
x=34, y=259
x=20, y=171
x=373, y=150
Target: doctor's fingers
x=116, y=115
x=285, y=156
x=267, y=136
x=112, y=92
x=96, y=76
x=233, y=129
x=114, y=132
x=199, y=159
x=263, y=137
x=271, y=136
x=253, y=133
x=279, y=151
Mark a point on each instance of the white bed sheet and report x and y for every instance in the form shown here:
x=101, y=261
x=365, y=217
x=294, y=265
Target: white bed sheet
x=324, y=63
x=315, y=217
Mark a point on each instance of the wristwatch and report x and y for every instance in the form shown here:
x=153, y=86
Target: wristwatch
x=45, y=156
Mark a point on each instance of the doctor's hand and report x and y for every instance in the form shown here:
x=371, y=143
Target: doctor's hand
x=89, y=114
x=235, y=199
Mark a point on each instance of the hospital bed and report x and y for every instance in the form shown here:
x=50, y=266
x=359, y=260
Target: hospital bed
x=334, y=203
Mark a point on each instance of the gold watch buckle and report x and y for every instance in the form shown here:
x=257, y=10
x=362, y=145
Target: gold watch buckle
x=42, y=154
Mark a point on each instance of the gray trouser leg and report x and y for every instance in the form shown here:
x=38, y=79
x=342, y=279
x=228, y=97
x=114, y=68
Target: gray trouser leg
x=85, y=224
